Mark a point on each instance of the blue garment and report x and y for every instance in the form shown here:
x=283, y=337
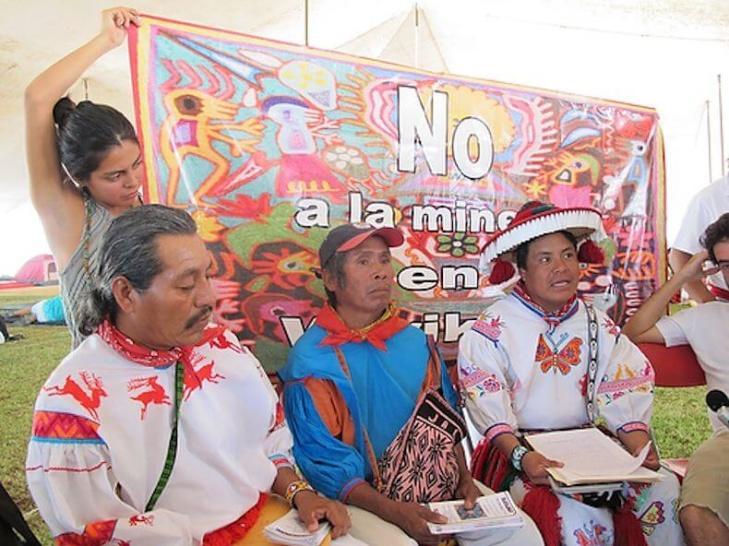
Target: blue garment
x=380, y=397
x=53, y=310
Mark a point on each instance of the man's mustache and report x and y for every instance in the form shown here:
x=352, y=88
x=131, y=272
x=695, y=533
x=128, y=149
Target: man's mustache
x=199, y=316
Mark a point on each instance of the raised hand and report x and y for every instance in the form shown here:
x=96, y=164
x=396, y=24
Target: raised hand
x=694, y=268
x=115, y=22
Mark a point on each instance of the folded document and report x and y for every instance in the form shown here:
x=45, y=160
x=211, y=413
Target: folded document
x=290, y=531
x=490, y=512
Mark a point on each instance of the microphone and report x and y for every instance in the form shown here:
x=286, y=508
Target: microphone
x=719, y=404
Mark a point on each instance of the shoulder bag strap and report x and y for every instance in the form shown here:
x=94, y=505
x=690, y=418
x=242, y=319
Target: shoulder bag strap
x=591, y=363
x=368, y=445
x=172, y=447
x=434, y=366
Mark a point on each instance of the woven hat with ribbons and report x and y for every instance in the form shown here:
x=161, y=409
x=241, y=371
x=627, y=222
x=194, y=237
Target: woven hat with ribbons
x=535, y=219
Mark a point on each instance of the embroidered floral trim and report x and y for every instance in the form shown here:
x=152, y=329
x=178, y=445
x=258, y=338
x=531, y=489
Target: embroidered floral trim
x=634, y=425
x=623, y=385
x=479, y=378
x=488, y=327
x=496, y=430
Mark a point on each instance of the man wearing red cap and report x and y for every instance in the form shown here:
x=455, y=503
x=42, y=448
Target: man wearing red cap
x=541, y=359
x=370, y=404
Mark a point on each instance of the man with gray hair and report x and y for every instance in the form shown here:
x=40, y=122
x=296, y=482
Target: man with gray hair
x=160, y=429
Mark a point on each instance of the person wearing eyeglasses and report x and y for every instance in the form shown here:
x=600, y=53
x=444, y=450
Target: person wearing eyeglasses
x=704, y=506
x=705, y=207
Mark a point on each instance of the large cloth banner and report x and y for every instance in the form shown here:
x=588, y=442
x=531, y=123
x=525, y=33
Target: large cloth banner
x=268, y=145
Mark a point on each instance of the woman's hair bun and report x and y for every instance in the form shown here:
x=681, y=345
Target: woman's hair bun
x=62, y=109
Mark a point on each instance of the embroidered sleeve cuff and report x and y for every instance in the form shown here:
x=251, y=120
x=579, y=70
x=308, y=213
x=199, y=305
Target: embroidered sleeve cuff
x=348, y=487
x=496, y=430
x=280, y=460
x=64, y=428
x=632, y=426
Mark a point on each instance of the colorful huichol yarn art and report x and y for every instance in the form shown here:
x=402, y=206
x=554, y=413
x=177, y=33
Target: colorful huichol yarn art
x=269, y=144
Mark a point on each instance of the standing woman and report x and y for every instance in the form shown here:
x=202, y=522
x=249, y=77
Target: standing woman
x=84, y=163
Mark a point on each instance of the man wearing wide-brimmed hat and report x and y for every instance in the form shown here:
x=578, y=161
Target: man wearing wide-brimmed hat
x=541, y=359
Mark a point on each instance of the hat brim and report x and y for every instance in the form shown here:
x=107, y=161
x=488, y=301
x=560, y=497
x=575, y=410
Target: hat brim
x=391, y=236
x=580, y=222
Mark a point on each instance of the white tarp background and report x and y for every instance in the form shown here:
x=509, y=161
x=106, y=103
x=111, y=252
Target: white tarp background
x=660, y=53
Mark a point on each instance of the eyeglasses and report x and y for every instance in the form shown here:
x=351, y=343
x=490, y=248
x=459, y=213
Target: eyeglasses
x=722, y=266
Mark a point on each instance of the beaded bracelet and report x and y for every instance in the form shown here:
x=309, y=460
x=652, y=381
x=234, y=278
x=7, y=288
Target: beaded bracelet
x=296, y=487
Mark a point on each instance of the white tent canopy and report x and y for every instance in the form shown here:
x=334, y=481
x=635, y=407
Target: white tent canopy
x=660, y=53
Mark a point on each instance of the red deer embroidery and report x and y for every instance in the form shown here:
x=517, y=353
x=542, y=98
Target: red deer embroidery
x=194, y=378
x=155, y=393
x=89, y=400
x=221, y=342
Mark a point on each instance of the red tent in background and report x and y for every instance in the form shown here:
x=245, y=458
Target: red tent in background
x=40, y=269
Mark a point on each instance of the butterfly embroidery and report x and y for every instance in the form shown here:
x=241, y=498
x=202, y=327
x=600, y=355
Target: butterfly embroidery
x=652, y=517
x=592, y=534
x=569, y=355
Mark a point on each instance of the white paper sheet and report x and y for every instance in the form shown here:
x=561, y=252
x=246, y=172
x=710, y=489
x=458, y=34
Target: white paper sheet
x=589, y=455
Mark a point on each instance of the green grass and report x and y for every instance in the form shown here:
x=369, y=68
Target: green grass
x=679, y=418
x=24, y=366
x=26, y=296
x=680, y=421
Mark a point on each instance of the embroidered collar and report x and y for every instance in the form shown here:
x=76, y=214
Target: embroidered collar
x=377, y=333
x=553, y=319
x=145, y=356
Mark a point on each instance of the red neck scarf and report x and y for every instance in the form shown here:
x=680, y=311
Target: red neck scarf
x=338, y=333
x=144, y=355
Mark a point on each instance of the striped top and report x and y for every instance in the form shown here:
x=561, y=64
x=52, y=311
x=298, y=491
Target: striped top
x=75, y=283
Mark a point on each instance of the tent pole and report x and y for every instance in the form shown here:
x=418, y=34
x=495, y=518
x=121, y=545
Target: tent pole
x=708, y=138
x=721, y=130
x=306, y=23
x=417, y=36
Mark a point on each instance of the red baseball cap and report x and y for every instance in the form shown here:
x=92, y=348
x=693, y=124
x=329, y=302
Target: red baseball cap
x=348, y=236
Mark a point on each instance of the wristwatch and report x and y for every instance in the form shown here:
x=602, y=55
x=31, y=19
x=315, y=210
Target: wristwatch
x=517, y=454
